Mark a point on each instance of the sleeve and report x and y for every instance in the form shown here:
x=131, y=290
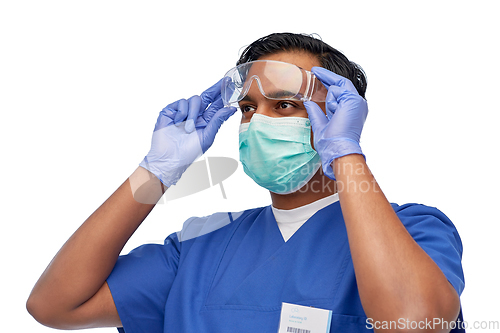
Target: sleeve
x=140, y=283
x=438, y=237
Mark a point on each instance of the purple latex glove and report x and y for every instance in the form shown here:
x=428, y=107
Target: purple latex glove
x=337, y=134
x=184, y=131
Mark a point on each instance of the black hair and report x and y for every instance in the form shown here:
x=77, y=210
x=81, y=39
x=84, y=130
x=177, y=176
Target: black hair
x=327, y=56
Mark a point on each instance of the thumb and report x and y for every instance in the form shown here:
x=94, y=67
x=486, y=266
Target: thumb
x=316, y=115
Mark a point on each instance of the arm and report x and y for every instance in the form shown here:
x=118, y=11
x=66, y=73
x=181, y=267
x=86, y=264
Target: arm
x=395, y=277
x=72, y=293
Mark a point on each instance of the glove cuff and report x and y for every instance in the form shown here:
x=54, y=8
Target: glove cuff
x=168, y=178
x=338, y=148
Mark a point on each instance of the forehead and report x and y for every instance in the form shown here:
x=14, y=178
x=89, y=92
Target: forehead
x=303, y=60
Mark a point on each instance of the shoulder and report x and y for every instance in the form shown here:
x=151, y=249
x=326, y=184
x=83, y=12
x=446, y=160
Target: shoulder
x=437, y=236
x=414, y=209
x=422, y=221
x=195, y=226
x=412, y=213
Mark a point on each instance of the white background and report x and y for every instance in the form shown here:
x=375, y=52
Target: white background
x=81, y=85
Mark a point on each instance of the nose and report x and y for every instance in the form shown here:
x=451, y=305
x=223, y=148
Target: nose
x=266, y=109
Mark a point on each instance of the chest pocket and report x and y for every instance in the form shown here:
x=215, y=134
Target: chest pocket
x=261, y=271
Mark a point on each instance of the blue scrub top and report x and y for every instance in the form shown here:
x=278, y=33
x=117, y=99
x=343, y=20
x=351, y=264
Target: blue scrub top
x=235, y=278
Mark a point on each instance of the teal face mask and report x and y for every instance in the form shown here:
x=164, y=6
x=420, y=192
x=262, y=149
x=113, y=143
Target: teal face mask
x=277, y=153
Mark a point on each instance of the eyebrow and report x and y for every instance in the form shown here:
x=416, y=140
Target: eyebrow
x=280, y=93
x=273, y=95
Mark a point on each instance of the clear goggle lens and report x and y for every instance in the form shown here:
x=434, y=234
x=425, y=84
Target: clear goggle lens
x=275, y=80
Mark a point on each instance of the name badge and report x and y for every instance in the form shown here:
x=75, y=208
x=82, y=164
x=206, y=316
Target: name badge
x=304, y=319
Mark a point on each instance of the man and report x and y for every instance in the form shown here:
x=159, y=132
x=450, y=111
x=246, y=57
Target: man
x=330, y=240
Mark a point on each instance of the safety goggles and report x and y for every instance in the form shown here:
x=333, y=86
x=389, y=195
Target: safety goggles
x=276, y=80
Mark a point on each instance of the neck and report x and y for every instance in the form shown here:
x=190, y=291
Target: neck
x=319, y=187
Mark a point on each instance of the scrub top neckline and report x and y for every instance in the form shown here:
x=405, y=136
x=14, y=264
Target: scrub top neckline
x=303, y=213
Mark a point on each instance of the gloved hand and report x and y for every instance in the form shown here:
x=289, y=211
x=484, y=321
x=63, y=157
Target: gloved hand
x=337, y=133
x=184, y=131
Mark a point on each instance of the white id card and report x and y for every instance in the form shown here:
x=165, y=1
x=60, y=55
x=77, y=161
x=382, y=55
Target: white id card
x=304, y=319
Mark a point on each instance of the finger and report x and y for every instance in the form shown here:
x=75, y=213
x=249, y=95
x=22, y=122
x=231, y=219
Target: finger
x=173, y=105
x=215, y=123
x=194, y=104
x=209, y=95
x=329, y=78
x=220, y=116
x=206, y=115
x=339, y=94
x=331, y=102
x=182, y=111
x=169, y=112
x=164, y=119
x=316, y=115
x=213, y=108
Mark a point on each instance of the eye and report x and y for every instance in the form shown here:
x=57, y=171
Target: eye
x=246, y=108
x=285, y=105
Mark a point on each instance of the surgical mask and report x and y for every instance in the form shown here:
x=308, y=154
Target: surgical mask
x=275, y=79
x=277, y=153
